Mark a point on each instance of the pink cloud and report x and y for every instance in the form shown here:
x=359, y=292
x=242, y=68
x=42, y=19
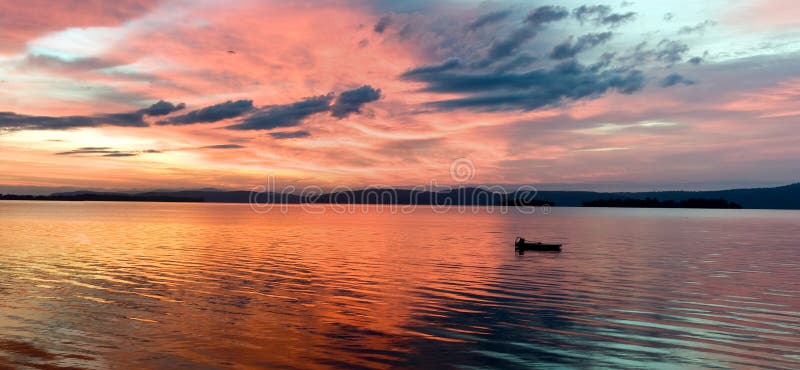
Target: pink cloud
x=277, y=53
x=774, y=15
x=23, y=21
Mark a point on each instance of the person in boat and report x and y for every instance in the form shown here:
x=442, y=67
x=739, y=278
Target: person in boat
x=520, y=242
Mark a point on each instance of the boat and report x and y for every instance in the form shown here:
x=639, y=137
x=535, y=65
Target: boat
x=521, y=245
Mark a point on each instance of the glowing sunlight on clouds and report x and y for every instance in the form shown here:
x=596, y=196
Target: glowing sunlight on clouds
x=222, y=94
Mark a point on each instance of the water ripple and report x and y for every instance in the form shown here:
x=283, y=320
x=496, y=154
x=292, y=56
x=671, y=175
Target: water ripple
x=106, y=285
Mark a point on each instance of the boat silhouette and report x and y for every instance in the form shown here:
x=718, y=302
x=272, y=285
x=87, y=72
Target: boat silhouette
x=521, y=245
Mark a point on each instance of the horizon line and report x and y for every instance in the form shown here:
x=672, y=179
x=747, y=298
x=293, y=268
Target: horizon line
x=425, y=188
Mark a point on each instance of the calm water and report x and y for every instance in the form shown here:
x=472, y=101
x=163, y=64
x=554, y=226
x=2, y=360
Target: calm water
x=158, y=285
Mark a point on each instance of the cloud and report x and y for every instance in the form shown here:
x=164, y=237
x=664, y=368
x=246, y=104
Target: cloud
x=223, y=146
x=382, y=24
x=533, y=22
x=271, y=116
x=87, y=68
x=519, y=61
x=445, y=66
x=214, y=113
x=546, y=14
x=696, y=60
x=488, y=18
x=52, y=62
x=14, y=121
x=106, y=151
x=532, y=90
x=288, y=115
x=674, y=79
x=120, y=155
x=511, y=76
x=671, y=51
x=350, y=101
x=25, y=21
x=505, y=47
x=666, y=51
x=162, y=108
x=586, y=13
x=617, y=19
x=289, y=134
x=88, y=150
x=698, y=28
x=601, y=15
x=588, y=41
x=110, y=152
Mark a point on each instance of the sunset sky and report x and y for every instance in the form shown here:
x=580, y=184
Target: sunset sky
x=146, y=94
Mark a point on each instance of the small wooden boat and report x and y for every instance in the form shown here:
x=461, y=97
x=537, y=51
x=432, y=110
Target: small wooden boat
x=521, y=245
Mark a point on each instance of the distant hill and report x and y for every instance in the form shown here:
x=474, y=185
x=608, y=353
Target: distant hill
x=784, y=197
x=655, y=203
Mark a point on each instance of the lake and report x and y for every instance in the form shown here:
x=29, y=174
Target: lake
x=98, y=285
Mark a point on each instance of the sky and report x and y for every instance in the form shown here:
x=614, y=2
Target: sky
x=631, y=95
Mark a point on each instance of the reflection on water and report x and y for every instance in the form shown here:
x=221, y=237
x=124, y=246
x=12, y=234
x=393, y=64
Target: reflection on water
x=143, y=285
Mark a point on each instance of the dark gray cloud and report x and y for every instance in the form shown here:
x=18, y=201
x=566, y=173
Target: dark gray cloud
x=350, y=101
x=436, y=68
x=89, y=150
x=506, y=72
x=617, y=19
x=229, y=109
x=590, y=13
x=546, y=14
x=14, y=121
x=518, y=62
x=670, y=51
x=666, y=51
x=382, y=24
x=214, y=113
x=564, y=82
x=111, y=152
x=675, y=79
x=698, y=28
x=488, y=18
x=568, y=50
x=120, y=155
x=601, y=15
x=507, y=46
x=121, y=119
x=696, y=60
x=533, y=22
x=268, y=117
x=290, y=134
x=162, y=108
x=223, y=146
x=288, y=115
x=104, y=151
x=668, y=16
